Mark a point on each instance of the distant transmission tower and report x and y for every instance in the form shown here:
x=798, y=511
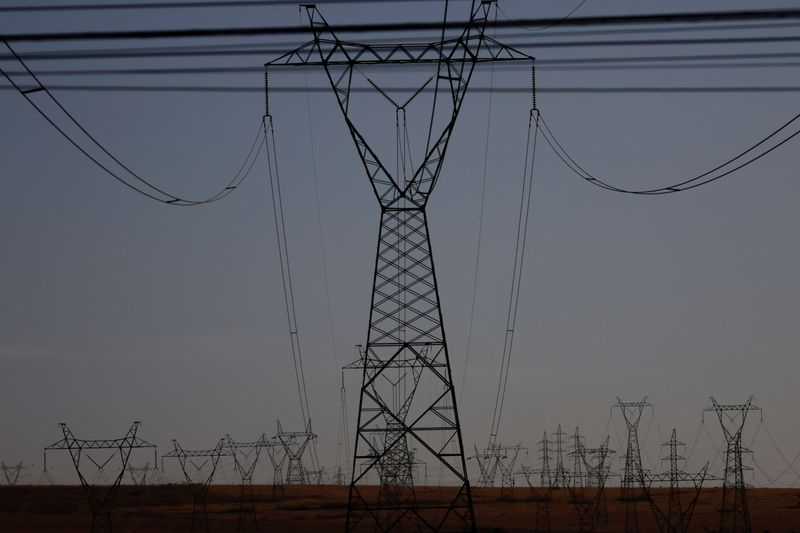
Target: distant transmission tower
x=734, y=514
x=406, y=334
x=545, y=472
x=199, y=479
x=139, y=473
x=631, y=487
x=560, y=475
x=101, y=497
x=11, y=473
x=679, y=513
x=294, y=445
x=245, y=458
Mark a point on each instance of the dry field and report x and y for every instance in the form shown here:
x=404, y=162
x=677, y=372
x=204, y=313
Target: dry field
x=167, y=508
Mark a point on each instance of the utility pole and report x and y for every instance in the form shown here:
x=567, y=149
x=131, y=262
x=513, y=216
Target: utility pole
x=406, y=342
x=631, y=488
x=734, y=514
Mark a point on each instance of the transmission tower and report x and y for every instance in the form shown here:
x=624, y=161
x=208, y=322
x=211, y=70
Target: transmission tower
x=560, y=475
x=11, y=473
x=598, y=466
x=101, y=498
x=541, y=494
x=545, y=472
x=277, y=456
x=405, y=314
x=734, y=514
x=293, y=445
x=678, y=514
x=245, y=458
x=631, y=487
x=139, y=474
x=200, y=480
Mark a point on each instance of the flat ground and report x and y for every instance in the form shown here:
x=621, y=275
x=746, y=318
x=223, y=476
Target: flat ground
x=167, y=508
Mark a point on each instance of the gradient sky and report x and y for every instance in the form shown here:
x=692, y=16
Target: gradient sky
x=116, y=308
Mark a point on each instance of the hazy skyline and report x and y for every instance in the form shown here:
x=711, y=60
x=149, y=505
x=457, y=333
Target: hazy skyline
x=116, y=308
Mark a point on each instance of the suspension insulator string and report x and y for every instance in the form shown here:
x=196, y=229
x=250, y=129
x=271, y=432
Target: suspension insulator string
x=533, y=86
x=266, y=92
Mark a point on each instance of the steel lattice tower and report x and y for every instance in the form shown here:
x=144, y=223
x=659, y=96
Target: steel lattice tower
x=734, y=514
x=632, y=475
x=679, y=513
x=406, y=342
x=560, y=476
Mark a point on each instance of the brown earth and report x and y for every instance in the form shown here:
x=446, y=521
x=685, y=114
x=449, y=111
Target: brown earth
x=167, y=508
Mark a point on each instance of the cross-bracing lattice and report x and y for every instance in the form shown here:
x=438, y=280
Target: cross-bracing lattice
x=406, y=341
x=245, y=457
x=11, y=473
x=734, y=514
x=632, y=490
x=198, y=468
x=100, y=497
x=678, y=515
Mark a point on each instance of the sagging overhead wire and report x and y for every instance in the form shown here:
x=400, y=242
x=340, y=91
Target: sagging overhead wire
x=408, y=26
x=516, y=279
x=768, y=144
x=123, y=173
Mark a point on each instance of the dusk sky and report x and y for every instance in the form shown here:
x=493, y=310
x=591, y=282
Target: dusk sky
x=116, y=308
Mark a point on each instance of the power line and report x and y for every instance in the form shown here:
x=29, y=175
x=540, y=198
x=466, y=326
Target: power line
x=124, y=174
x=720, y=171
x=745, y=89
x=403, y=27
x=129, y=6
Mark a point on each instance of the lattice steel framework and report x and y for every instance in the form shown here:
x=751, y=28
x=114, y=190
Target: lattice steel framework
x=139, y=474
x=678, y=515
x=200, y=482
x=11, y=473
x=101, y=497
x=734, y=514
x=245, y=458
x=631, y=487
x=406, y=340
x=288, y=447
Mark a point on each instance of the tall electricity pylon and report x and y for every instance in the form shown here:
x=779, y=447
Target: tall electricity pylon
x=11, y=473
x=560, y=475
x=101, y=498
x=734, y=514
x=678, y=515
x=406, y=342
x=631, y=487
x=199, y=480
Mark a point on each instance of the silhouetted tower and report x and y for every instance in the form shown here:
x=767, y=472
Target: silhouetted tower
x=294, y=445
x=541, y=496
x=245, y=458
x=545, y=473
x=598, y=466
x=11, y=473
x=139, y=473
x=560, y=476
x=734, y=514
x=200, y=480
x=678, y=514
x=101, y=498
x=631, y=486
x=405, y=314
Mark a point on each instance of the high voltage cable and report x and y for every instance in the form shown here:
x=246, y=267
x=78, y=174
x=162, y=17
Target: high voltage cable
x=505, y=90
x=144, y=187
x=720, y=171
x=395, y=27
x=180, y=71
x=128, y=6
